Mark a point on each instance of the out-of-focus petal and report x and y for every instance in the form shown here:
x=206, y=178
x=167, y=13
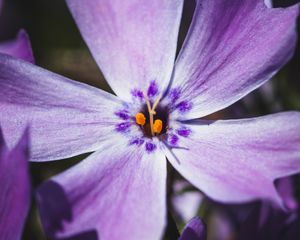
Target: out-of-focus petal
x=185, y=203
x=231, y=49
x=194, y=230
x=133, y=42
x=285, y=188
x=119, y=192
x=223, y=226
x=19, y=47
x=238, y=160
x=280, y=3
x=266, y=222
x=269, y=3
x=67, y=118
x=15, y=188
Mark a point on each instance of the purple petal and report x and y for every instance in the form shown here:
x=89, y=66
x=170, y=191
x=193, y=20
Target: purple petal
x=280, y=3
x=224, y=58
x=67, y=118
x=238, y=160
x=185, y=203
x=194, y=230
x=133, y=42
x=268, y=3
x=119, y=194
x=285, y=188
x=265, y=222
x=15, y=188
x=19, y=48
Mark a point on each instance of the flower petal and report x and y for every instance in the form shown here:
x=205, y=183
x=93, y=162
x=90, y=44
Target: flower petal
x=19, y=48
x=238, y=160
x=133, y=42
x=194, y=230
x=15, y=188
x=120, y=194
x=280, y=3
x=67, y=118
x=185, y=203
x=231, y=49
x=265, y=222
x=286, y=189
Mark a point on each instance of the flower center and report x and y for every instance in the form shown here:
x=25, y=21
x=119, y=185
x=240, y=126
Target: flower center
x=152, y=118
x=151, y=114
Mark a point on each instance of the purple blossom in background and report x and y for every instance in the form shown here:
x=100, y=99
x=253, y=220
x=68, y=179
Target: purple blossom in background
x=259, y=220
x=154, y=113
x=185, y=203
x=15, y=188
x=19, y=47
x=280, y=3
x=267, y=222
x=286, y=189
x=194, y=230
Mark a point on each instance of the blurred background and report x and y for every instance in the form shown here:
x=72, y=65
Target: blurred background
x=58, y=46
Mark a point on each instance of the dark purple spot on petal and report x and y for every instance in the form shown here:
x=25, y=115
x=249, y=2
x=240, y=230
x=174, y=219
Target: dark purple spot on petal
x=137, y=141
x=137, y=93
x=152, y=90
x=184, y=131
x=123, y=114
x=150, y=147
x=173, y=139
x=123, y=127
x=174, y=94
x=184, y=106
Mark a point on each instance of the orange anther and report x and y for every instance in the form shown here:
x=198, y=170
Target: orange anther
x=140, y=119
x=157, y=126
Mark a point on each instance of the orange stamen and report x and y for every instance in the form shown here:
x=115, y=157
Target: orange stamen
x=140, y=119
x=157, y=126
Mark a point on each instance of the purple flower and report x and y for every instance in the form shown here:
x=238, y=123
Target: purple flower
x=266, y=222
x=15, y=188
x=134, y=42
x=285, y=188
x=194, y=230
x=19, y=47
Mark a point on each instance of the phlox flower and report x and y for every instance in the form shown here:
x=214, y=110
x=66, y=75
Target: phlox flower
x=15, y=188
x=119, y=191
x=195, y=229
x=267, y=222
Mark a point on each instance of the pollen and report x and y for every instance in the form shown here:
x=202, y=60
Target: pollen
x=140, y=119
x=157, y=126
